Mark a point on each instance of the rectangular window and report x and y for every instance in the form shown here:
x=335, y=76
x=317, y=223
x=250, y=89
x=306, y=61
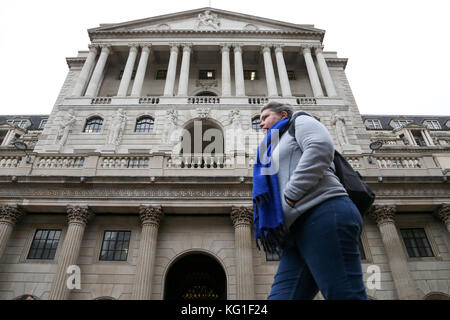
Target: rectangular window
x=161, y=74
x=374, y=124
x=432, y=124
x=401, y=123
x=207, y=75
x=291, y=75
x=115, y=246
x=250, y=75
x=416, y=242
x=44, y=245
x=43, y=123
x=418, y=138
x=133, y=74
x=2, y=135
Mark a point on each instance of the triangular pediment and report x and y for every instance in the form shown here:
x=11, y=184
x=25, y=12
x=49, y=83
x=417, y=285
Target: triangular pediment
x=206, y=19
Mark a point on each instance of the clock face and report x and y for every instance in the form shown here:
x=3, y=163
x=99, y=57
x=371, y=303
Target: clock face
x=376, y=145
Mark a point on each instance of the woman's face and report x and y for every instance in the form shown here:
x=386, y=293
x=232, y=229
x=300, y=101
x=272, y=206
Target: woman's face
x=269, y=117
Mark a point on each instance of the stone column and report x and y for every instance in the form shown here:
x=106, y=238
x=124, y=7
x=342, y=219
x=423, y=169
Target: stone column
x=171, y=71
x=312, y=72
x=127, y=72
x=184, y=71
x=242, y=218
x=226, y=76
x=270, y=75
x=150, y=218
x=9, y=214
x=85, y=72
x=403, y=281
x=98, y=71
x=282, y=72
x=443, y=213
x=323, y=68
x=238, y=71
x=140, y=73
x=78, y=217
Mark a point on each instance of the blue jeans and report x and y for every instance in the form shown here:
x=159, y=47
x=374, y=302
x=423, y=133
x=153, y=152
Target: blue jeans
x=322, y=253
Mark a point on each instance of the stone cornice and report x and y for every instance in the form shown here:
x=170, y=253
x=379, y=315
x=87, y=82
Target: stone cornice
x=337, y=62
x=75, y=62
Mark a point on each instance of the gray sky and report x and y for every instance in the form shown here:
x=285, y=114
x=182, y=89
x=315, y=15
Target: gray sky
x=398, y=51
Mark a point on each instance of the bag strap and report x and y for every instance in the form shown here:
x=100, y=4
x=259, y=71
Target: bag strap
x=291, y=124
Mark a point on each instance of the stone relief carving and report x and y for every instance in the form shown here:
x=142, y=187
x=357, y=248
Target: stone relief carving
x=172, y=132
x=10, y=214
x=208, y=19
x=117, y=127
x=203, y=113
x=63, y=130
x=338, y=121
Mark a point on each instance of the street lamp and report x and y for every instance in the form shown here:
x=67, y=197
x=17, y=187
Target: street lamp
x=19, y=145
x=376, y=145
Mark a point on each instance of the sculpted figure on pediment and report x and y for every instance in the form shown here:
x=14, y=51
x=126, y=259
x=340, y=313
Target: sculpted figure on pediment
x=208, y=19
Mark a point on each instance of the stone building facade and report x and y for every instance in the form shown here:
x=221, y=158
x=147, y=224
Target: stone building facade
x=106, y=184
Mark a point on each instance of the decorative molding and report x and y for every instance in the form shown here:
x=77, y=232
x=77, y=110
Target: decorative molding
x=78, y=214
x=443, y=213
x=383, y=214
x=242, y=216
x=10, y=214
x=150, y=215
x=206, y=84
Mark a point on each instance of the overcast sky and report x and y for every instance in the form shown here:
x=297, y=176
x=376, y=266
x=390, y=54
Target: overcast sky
x=398, y=51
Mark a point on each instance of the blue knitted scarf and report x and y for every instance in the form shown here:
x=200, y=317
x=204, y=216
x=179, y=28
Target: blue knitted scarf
x=268, y=218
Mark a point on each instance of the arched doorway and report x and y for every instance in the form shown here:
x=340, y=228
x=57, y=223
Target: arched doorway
x=196, y=276
x=202, y=145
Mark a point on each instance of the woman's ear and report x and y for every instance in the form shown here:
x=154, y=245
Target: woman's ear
x=283, y=114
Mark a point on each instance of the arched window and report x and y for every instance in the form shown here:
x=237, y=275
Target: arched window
x=93, y=124
x=144, y=124
x=255, y=124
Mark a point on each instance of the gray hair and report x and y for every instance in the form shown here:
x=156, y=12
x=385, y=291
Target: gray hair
x=278, y=108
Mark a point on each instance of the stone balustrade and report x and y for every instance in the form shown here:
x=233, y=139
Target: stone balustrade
x=59, y=162
x=306, y=100
x=200, y=161
x=203, y=100
x=10, y=161
x=101, y=100
x=149, y=100
x=258, y=100
x=399, y=162
x=115, y=162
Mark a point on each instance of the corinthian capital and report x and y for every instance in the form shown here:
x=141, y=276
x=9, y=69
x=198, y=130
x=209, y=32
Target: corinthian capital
x=242, y=216
x=79, y=214
x=10, y=214
x=383, y=214
x=150, y=215
x=443, y=213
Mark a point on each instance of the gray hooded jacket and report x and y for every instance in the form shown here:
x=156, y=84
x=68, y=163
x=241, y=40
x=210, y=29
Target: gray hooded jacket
x=305, y=167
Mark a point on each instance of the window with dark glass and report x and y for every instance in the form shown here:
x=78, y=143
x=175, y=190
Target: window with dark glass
x=250, y=75
x=161, y=74
x=43, y=123
x=144, y=124
x=44, y=245
x=133, y=74
x=207, y=75
x=115, y=246
x=2, y=135
x=255, y=124
x=291, y=75
x=416, y=242
x=418, y=138
x=93, y=125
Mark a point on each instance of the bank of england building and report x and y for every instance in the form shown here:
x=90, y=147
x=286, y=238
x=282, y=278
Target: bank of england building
x=110, y=182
